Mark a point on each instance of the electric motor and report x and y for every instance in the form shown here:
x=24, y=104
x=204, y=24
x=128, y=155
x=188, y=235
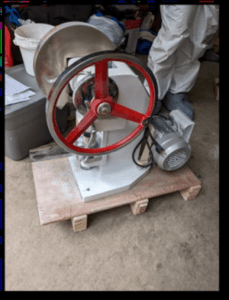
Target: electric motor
x=171, y=148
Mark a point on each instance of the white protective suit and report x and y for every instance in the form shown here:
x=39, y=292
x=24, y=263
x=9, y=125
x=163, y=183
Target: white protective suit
x=187, y=31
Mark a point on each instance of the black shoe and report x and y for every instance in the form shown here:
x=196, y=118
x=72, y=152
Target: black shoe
x=210, y=55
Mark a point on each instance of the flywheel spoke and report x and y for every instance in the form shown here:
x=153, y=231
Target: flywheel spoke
x=80, y=128
x=126, y=113
x=101, y=80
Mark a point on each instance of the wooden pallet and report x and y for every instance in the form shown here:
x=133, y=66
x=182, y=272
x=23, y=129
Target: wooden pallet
x=59, y=199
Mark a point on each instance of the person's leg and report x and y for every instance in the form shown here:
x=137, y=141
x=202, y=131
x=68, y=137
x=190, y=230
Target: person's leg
x=210, y=33
x=162, y=57
x=202, y=30
x=186, y=33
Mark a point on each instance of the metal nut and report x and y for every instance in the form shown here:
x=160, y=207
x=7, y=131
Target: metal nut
x=104, y=109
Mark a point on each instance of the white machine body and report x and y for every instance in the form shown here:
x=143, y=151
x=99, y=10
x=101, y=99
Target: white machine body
x=115, y=172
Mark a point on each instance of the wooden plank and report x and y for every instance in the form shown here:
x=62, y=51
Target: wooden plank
x=139, y=207
x=47, y=152
x=46, y=146
x=59, y=199
x=190, y=193
x=79, y=223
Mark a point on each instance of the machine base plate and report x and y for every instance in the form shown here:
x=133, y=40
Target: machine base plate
x=105, y=180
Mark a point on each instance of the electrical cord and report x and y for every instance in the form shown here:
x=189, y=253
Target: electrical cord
x=145, y=137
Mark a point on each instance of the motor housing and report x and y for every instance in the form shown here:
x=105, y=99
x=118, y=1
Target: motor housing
x=173, y=136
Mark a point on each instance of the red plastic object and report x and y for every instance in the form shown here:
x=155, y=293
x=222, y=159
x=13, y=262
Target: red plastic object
x=117, y=110
x=132, y=24
x=23, y=5
x=8, y=54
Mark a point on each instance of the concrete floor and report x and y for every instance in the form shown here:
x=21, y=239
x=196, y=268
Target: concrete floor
x=174, y=246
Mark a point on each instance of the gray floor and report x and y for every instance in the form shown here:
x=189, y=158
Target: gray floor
x=173, y=246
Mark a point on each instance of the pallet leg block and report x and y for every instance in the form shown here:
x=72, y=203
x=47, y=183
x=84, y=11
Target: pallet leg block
x=139, y=207
x=79, y=223
x=190, y=193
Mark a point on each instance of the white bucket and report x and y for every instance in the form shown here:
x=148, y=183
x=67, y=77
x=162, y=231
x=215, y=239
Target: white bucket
x=27, y=37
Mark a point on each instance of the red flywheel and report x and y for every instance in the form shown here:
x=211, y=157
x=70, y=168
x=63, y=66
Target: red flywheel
x=102, y=102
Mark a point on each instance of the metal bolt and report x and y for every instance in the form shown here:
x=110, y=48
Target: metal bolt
x=104, y=109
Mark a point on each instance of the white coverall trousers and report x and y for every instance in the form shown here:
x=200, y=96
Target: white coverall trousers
x=187, y=31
